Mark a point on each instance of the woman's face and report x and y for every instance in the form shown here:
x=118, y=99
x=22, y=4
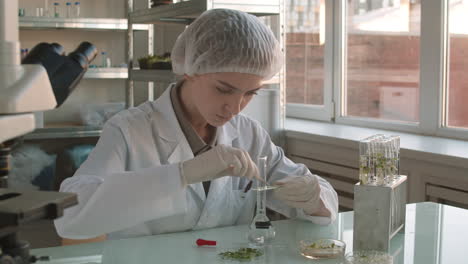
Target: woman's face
x=217, y=97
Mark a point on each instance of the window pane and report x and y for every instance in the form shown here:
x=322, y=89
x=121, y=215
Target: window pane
x=382, y=74
x=305, y=37
x=458, y=65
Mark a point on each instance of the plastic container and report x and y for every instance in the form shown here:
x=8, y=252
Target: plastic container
x=21, y=12
x=39, y=11
x=46, y=8
x=69, y=13
x=76, y=10
x=23, y=53
x=105, y=60
x=56, y=9
x=322, y=248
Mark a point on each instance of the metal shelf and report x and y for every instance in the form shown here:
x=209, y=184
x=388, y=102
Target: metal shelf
x=64, y=132
x=167, y=76
x=186, y=11
x=163, y=76
x=92, y=24
x=106, y=73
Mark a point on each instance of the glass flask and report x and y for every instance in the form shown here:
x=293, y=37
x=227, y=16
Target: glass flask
x=261, y=230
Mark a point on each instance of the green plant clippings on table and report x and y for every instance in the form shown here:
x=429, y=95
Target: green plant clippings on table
x=242, y=254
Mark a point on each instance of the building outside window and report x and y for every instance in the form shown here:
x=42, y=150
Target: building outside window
x=304, y=52
x=457, y=93
x=382, y=62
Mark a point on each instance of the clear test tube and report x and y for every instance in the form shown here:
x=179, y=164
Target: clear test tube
x=371, y=164
x=396, y=156
x=388, y=159
x=378, y=146
x=261, y=195
x=364, y=161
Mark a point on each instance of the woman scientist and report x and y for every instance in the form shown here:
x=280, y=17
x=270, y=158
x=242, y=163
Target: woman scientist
x=182, y=162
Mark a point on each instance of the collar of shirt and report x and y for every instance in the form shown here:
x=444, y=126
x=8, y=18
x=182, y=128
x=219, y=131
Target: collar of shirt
x=197, y=144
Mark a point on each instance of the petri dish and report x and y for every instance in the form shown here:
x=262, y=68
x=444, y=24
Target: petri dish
x=322, y=248
x=368, y=257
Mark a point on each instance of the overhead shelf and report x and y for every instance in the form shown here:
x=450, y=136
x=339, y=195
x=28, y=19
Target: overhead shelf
x=186, y=11
x=55, y=131
x=165, y=76
x=105, y=24
x=106, y=73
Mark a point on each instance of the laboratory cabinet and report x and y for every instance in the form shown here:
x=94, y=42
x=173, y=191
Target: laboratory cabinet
x=182, y=11
x=102, y=23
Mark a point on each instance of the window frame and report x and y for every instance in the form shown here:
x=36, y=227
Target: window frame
x=434, y=36
x=323, y=112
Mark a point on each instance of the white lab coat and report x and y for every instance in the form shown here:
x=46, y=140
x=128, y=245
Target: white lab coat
x=130, y=185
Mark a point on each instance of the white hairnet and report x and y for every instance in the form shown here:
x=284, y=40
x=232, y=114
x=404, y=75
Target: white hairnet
x=224, y=40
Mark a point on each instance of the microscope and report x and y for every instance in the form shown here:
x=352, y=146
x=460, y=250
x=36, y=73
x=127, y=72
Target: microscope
x=42, y=81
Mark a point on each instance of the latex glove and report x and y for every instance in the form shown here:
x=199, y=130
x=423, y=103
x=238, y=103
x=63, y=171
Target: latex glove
x=299, y=192
x=219, y=161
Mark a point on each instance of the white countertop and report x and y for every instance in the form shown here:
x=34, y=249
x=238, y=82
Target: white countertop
x=433, y=234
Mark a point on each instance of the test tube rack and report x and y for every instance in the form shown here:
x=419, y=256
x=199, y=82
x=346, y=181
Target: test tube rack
x=379, y=214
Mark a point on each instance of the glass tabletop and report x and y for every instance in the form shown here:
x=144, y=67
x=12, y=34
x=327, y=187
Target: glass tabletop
x=434, y=233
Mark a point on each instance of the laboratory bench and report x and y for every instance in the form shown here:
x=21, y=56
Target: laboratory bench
x=434, y=233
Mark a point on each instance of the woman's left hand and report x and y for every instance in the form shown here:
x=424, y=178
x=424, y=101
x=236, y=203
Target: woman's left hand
x=299, y=192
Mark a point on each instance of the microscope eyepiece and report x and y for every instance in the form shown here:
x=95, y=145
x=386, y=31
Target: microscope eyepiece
x=64, y=72
x=42, y=52
x=57, y=48
x=84, y=54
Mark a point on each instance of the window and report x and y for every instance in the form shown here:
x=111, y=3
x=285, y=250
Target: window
x=390, y=64
x=457, y=96
x=382, y=62
x=304, y=52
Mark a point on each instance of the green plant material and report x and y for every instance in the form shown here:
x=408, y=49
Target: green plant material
x=150, y=59
x=380, y=160
x=242, y=254
x=364, y=161
x=322, y=245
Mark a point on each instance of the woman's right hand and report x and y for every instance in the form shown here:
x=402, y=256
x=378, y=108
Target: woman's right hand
x=219, y=161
